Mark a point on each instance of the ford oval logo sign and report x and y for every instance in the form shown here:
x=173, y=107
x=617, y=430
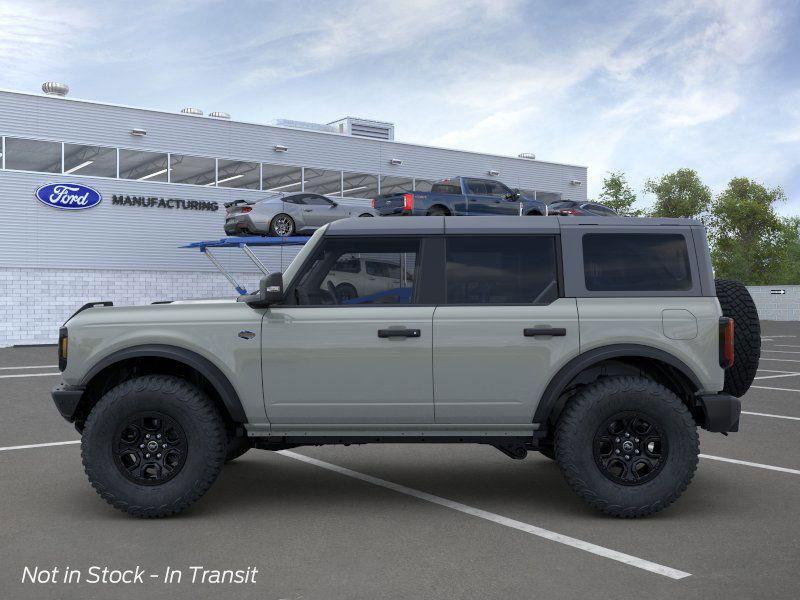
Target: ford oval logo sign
x=68, y=196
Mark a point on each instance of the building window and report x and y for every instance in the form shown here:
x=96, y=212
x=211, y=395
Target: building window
x=237, y=174
x=90, y=160
x=33, y=155
x=194, y=170
x=396, y=185
x=360, y=185
x=423, y=185
x=144, y=166
x=280, y=178
x=320, y=181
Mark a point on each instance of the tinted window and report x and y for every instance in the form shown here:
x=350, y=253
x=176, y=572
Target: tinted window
x=476, y=186
x=600, y=209
x=495, y=188
x=636, y=262
x=334, y=276
x=446, y=187
x=295, y=199
x=317, y=200
x=197, y=170
x=501, y=270
x=238, y=174
x=280, y=178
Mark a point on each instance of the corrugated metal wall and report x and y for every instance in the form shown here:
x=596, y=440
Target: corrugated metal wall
x=121, y=237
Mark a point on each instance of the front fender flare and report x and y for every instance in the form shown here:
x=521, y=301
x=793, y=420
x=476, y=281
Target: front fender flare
x=202, y=365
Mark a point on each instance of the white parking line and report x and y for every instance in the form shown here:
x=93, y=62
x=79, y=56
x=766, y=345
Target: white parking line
x=780, y=359
x=29, y=367
x=776, y=376
x=781, y=351
x=39, y=445
x=744, y=412
x=763, y=387
x=29, y=375
x=634, y=561
x=785, y=346
x=751, y=464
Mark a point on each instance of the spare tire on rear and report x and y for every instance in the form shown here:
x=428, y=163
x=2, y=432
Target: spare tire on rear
x=737, y=304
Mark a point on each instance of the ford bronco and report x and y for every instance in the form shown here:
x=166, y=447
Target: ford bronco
x=603, y=343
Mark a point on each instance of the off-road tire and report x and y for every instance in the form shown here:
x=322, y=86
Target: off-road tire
x=737, y=304
x=588, y=411
x=185, y=404
x=237, y=446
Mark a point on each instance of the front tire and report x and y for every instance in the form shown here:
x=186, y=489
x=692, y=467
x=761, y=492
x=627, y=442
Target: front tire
x=627, y=445
x=153, y=445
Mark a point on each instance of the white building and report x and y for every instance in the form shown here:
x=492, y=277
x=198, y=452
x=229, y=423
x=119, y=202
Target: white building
x=183, y=166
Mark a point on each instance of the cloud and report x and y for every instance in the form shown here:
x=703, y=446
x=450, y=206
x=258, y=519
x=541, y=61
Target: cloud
x=36, y=36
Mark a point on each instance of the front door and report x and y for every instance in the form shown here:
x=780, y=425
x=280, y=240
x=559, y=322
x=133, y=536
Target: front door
x=503, y=330
x=349, y=347
x=319, y=210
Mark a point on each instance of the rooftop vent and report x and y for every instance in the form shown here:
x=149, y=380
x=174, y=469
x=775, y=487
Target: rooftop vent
x=376, y=130
x=192, y=111
x=52, y=88
x=219, y=115
x=303, y=125
x=527, y=155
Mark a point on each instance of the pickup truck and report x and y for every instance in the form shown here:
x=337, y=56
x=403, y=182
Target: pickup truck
x=460, y=196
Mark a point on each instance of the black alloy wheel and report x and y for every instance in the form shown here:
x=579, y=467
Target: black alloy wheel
x=150, y=448
x=630, y=448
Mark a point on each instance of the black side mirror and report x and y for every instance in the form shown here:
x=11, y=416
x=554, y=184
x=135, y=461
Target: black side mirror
x=270, y=291
x=334, y=204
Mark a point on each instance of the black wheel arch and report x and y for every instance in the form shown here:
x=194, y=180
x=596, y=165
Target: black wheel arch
x=162, y=358
x=656, y=363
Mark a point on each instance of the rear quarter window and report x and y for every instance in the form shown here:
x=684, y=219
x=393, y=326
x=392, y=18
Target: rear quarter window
x=636, y=262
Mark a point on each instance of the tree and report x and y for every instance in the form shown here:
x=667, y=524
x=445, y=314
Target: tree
x=750, y=241
x=618, y=195
x=679, y=194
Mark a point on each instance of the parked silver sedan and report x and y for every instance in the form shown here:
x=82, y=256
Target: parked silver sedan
x=285, y=214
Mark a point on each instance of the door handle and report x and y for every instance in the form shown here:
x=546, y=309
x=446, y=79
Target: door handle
x=308, y=210
x=553, y=331
x=392, y=333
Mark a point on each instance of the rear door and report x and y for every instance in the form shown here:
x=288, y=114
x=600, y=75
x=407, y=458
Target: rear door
x=347, y=349
x=504, y=329
x=488, y=197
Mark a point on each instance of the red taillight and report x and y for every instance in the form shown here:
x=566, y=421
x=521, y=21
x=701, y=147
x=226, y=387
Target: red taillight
x=246, y=209
x=408, y=202
x=373, y=203
x=725, y=342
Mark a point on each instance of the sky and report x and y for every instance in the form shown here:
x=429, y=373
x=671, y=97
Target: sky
x=639, y=87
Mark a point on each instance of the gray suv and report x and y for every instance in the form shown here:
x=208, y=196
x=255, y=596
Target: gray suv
x=603, y=343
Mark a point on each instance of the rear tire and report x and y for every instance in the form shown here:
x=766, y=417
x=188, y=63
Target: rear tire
x=627, y=445
x=185, y=431
x=281, y=225
x=737, y=304
x=438, y=211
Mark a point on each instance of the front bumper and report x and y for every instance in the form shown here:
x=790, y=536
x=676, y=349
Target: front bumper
x=721, y=412
x=67, y=399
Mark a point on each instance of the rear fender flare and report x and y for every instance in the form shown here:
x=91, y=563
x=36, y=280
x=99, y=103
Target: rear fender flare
x=574, y=367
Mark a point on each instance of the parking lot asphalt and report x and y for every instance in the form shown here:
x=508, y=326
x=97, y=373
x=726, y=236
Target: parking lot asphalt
x=410, y=521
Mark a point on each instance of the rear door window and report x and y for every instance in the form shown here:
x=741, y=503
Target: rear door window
x=636, y=262
x=501, y=270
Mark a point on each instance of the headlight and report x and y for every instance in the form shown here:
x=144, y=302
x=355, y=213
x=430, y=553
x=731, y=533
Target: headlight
x=62, y=348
